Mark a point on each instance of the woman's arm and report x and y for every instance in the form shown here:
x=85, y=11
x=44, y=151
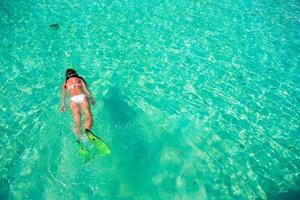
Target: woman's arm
x=63, y=98
x=88, y=92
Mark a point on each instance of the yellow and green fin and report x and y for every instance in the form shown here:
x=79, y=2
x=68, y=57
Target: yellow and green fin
x=84, y=152
x=99, y=144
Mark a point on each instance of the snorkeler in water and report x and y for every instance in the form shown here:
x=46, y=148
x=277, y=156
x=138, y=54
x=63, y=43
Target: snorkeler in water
x=80, y=97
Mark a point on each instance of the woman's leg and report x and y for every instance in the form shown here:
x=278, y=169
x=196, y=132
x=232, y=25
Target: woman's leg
x=75, y=108
x=88, y=115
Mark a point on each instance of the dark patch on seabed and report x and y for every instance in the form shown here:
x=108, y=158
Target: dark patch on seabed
x=128, y=136
x=290, y=195
x=119, y=109
x=4, y=189
x=54, y=26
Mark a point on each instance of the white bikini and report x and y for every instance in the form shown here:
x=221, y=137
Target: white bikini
x=77, y=98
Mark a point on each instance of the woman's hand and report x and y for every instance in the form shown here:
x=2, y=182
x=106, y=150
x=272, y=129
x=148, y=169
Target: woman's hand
x=63, y=108
x=93, y=101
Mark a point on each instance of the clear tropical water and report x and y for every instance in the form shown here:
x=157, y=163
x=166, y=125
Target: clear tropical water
x=197, y=99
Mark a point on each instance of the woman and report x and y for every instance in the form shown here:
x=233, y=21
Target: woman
x=79, y=95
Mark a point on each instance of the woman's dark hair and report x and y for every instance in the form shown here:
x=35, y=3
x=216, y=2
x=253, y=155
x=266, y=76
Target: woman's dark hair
x=70, y=73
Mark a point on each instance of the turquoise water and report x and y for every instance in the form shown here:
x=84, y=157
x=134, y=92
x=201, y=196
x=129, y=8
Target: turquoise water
x=197, y=99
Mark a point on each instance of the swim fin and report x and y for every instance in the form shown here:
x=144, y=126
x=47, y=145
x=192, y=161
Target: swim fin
x=84, y=152
x=99, y=144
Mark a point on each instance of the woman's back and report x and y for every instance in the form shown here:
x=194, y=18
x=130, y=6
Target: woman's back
x=75, y=86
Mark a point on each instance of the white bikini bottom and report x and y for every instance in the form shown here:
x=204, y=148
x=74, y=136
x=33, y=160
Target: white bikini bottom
x=78, y=98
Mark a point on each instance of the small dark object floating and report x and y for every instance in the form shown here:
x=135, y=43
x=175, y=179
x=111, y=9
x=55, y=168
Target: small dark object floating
x=54, y=26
